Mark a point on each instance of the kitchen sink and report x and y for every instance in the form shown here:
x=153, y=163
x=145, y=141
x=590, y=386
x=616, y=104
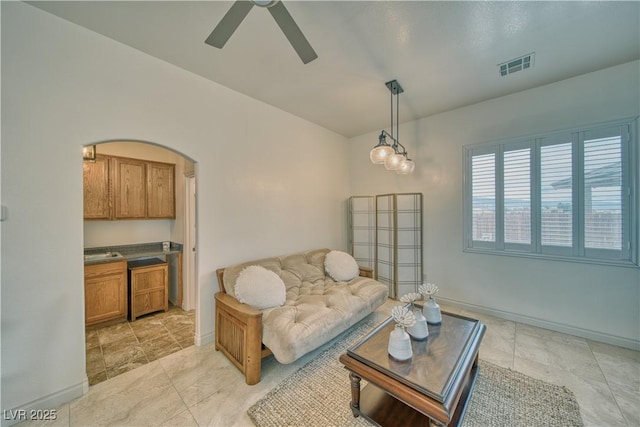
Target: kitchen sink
x=103, y=256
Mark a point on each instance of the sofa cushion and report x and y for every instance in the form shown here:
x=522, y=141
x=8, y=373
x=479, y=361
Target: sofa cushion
x=259, y=287
x=317, y=308
x=318, y=315
x=341, y=266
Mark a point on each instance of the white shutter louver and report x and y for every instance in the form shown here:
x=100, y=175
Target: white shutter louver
x=556, y=195
x=517, y=196
x=483, y=195
x=603, y=193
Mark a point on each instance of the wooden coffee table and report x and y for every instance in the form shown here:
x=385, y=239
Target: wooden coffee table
x=430, y=389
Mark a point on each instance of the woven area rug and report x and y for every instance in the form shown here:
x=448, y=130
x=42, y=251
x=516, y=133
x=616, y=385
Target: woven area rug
x=319, y=393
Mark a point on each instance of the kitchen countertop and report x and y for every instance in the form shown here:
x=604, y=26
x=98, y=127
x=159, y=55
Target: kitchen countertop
x=131, y=252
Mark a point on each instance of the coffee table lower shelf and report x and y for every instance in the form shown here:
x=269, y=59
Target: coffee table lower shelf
x=382, y=409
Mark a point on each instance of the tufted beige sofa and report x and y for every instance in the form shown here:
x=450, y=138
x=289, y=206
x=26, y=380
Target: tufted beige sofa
x=316, y=310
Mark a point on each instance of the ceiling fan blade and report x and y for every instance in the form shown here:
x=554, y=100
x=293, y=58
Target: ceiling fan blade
x=229, y=23
x=292, y=32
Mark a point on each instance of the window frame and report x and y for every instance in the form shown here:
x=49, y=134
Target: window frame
x=627, y=256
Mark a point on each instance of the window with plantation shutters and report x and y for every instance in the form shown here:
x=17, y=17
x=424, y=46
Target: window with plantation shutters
x=566, y=195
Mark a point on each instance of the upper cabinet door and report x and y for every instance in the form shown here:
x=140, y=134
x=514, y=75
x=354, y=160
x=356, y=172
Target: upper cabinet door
x=160, y=191
x=130, y=188
x=96, y=188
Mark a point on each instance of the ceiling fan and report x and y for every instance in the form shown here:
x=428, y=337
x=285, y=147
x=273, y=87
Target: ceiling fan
x=240, y=9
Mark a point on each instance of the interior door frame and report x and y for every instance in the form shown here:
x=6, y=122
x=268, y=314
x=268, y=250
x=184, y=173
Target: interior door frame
x=189, y=248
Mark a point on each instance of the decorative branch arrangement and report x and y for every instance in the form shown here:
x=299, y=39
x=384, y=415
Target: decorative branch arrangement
x=410, y=298
x=403, y=317
x=429, y=290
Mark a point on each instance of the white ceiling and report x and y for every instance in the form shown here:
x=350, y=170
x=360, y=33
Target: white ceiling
x=444, y=54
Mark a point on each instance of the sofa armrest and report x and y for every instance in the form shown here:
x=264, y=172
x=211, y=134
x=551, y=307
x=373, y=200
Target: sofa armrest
x=243, y=311
x=239, y=335
x=366, y=272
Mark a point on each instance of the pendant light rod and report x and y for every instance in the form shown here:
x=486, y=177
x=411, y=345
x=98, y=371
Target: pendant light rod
x=398, y=116
x=395, y=89
x=391, y=110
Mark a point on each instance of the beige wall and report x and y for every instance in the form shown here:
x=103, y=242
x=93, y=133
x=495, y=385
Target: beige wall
x=594, y=301
x=268, y=183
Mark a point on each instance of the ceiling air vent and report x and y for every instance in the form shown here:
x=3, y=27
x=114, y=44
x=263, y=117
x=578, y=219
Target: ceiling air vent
x=516, y=65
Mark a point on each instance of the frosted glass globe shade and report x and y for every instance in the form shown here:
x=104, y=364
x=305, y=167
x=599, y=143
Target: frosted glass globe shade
x=406, y=167
x=393, y=162
x=379, y=153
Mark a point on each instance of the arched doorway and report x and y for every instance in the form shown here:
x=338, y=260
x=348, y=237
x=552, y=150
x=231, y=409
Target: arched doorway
x=117, y=346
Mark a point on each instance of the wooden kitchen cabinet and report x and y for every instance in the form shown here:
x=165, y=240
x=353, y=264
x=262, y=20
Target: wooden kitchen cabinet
x=148, y=287
x=105, y=292
x=124, y=188
x=161, y=190
x=130, y=188
x=96, y=188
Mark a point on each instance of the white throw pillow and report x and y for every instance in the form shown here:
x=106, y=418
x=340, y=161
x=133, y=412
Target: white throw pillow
x=341, y=266
x=260, y=288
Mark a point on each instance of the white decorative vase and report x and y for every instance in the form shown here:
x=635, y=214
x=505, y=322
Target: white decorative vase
x=400, y=344
x=432, y=312
x=419, y=330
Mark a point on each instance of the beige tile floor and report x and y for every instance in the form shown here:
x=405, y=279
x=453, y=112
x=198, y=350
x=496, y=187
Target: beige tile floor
x=116, y=349
x=197, y=386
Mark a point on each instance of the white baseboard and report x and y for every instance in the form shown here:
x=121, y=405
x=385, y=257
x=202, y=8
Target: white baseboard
x=558, y=327
x=46, y=403
x=205, y=339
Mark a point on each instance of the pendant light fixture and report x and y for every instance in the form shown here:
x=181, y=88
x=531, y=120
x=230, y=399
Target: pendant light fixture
x=394, y=156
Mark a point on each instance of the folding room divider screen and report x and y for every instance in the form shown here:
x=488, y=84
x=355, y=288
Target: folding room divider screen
x=362, y=229
x=386, y=235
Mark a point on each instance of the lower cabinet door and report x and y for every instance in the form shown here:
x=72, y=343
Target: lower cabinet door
x=149, y=301
x=148, y=282
x=105, y=298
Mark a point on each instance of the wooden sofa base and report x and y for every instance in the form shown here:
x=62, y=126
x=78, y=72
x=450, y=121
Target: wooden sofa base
x=239, y=332
x=239, y=336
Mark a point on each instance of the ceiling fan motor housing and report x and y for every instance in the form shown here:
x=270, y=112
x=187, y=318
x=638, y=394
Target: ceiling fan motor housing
x=264, y=3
